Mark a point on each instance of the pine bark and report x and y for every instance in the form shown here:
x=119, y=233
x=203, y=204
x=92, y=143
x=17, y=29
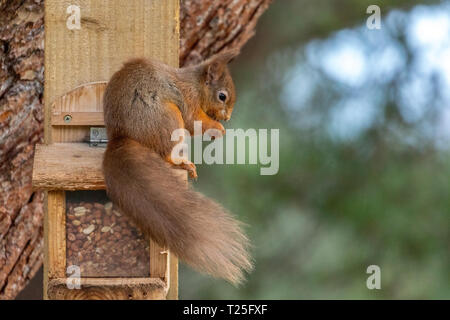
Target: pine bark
x=207, y=27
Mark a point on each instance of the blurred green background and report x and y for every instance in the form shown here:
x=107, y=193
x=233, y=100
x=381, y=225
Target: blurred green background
x=364, y=178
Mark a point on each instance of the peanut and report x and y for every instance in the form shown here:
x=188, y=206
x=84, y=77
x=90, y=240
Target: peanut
x=103, y=242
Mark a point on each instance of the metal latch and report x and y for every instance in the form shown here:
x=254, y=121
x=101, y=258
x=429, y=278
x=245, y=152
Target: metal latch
x=98, y=137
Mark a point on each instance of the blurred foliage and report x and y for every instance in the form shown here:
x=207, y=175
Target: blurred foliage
x=340, y=202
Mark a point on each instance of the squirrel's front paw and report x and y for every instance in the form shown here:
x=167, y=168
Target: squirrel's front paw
x=216, y=131
x=191, y=169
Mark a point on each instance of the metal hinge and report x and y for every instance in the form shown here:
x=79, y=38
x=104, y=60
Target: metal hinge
x=98, y=137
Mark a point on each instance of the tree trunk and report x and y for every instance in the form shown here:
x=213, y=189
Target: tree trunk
x=206, y=28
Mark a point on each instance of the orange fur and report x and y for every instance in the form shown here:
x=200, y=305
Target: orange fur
x=207, y=122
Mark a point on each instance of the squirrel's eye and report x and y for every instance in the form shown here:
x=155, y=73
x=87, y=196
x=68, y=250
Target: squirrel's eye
x=222, y=96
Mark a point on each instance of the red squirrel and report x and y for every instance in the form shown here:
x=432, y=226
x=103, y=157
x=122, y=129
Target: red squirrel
x=144, y=103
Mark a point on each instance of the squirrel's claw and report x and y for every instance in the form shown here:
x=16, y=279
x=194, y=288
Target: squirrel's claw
x=193, y=174
x=191, y=169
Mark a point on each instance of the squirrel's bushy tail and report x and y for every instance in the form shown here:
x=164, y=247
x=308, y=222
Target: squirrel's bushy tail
x=199, y=231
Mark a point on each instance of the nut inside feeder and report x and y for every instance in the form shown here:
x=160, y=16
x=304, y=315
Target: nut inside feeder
x=101, y=241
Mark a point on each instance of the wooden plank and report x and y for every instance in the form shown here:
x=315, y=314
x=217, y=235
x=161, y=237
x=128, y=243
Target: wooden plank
x=46, y=247
x=112, y=31
x=78, y=119
x=83, y=104
x=173, y=278
x=68, y=166
x=72, y=166
x=109, y=289
x=56, y=234
x=158, y=261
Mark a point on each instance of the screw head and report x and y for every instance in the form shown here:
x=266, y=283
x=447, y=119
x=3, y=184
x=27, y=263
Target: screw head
x=67, y=118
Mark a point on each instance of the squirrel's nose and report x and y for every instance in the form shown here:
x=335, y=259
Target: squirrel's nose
x=225, y=115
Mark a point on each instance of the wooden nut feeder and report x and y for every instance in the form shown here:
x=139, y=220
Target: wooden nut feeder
x=92, y=251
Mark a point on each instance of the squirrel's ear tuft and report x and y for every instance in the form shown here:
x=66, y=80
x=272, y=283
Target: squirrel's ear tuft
x=216, y=65
x=226, y=56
